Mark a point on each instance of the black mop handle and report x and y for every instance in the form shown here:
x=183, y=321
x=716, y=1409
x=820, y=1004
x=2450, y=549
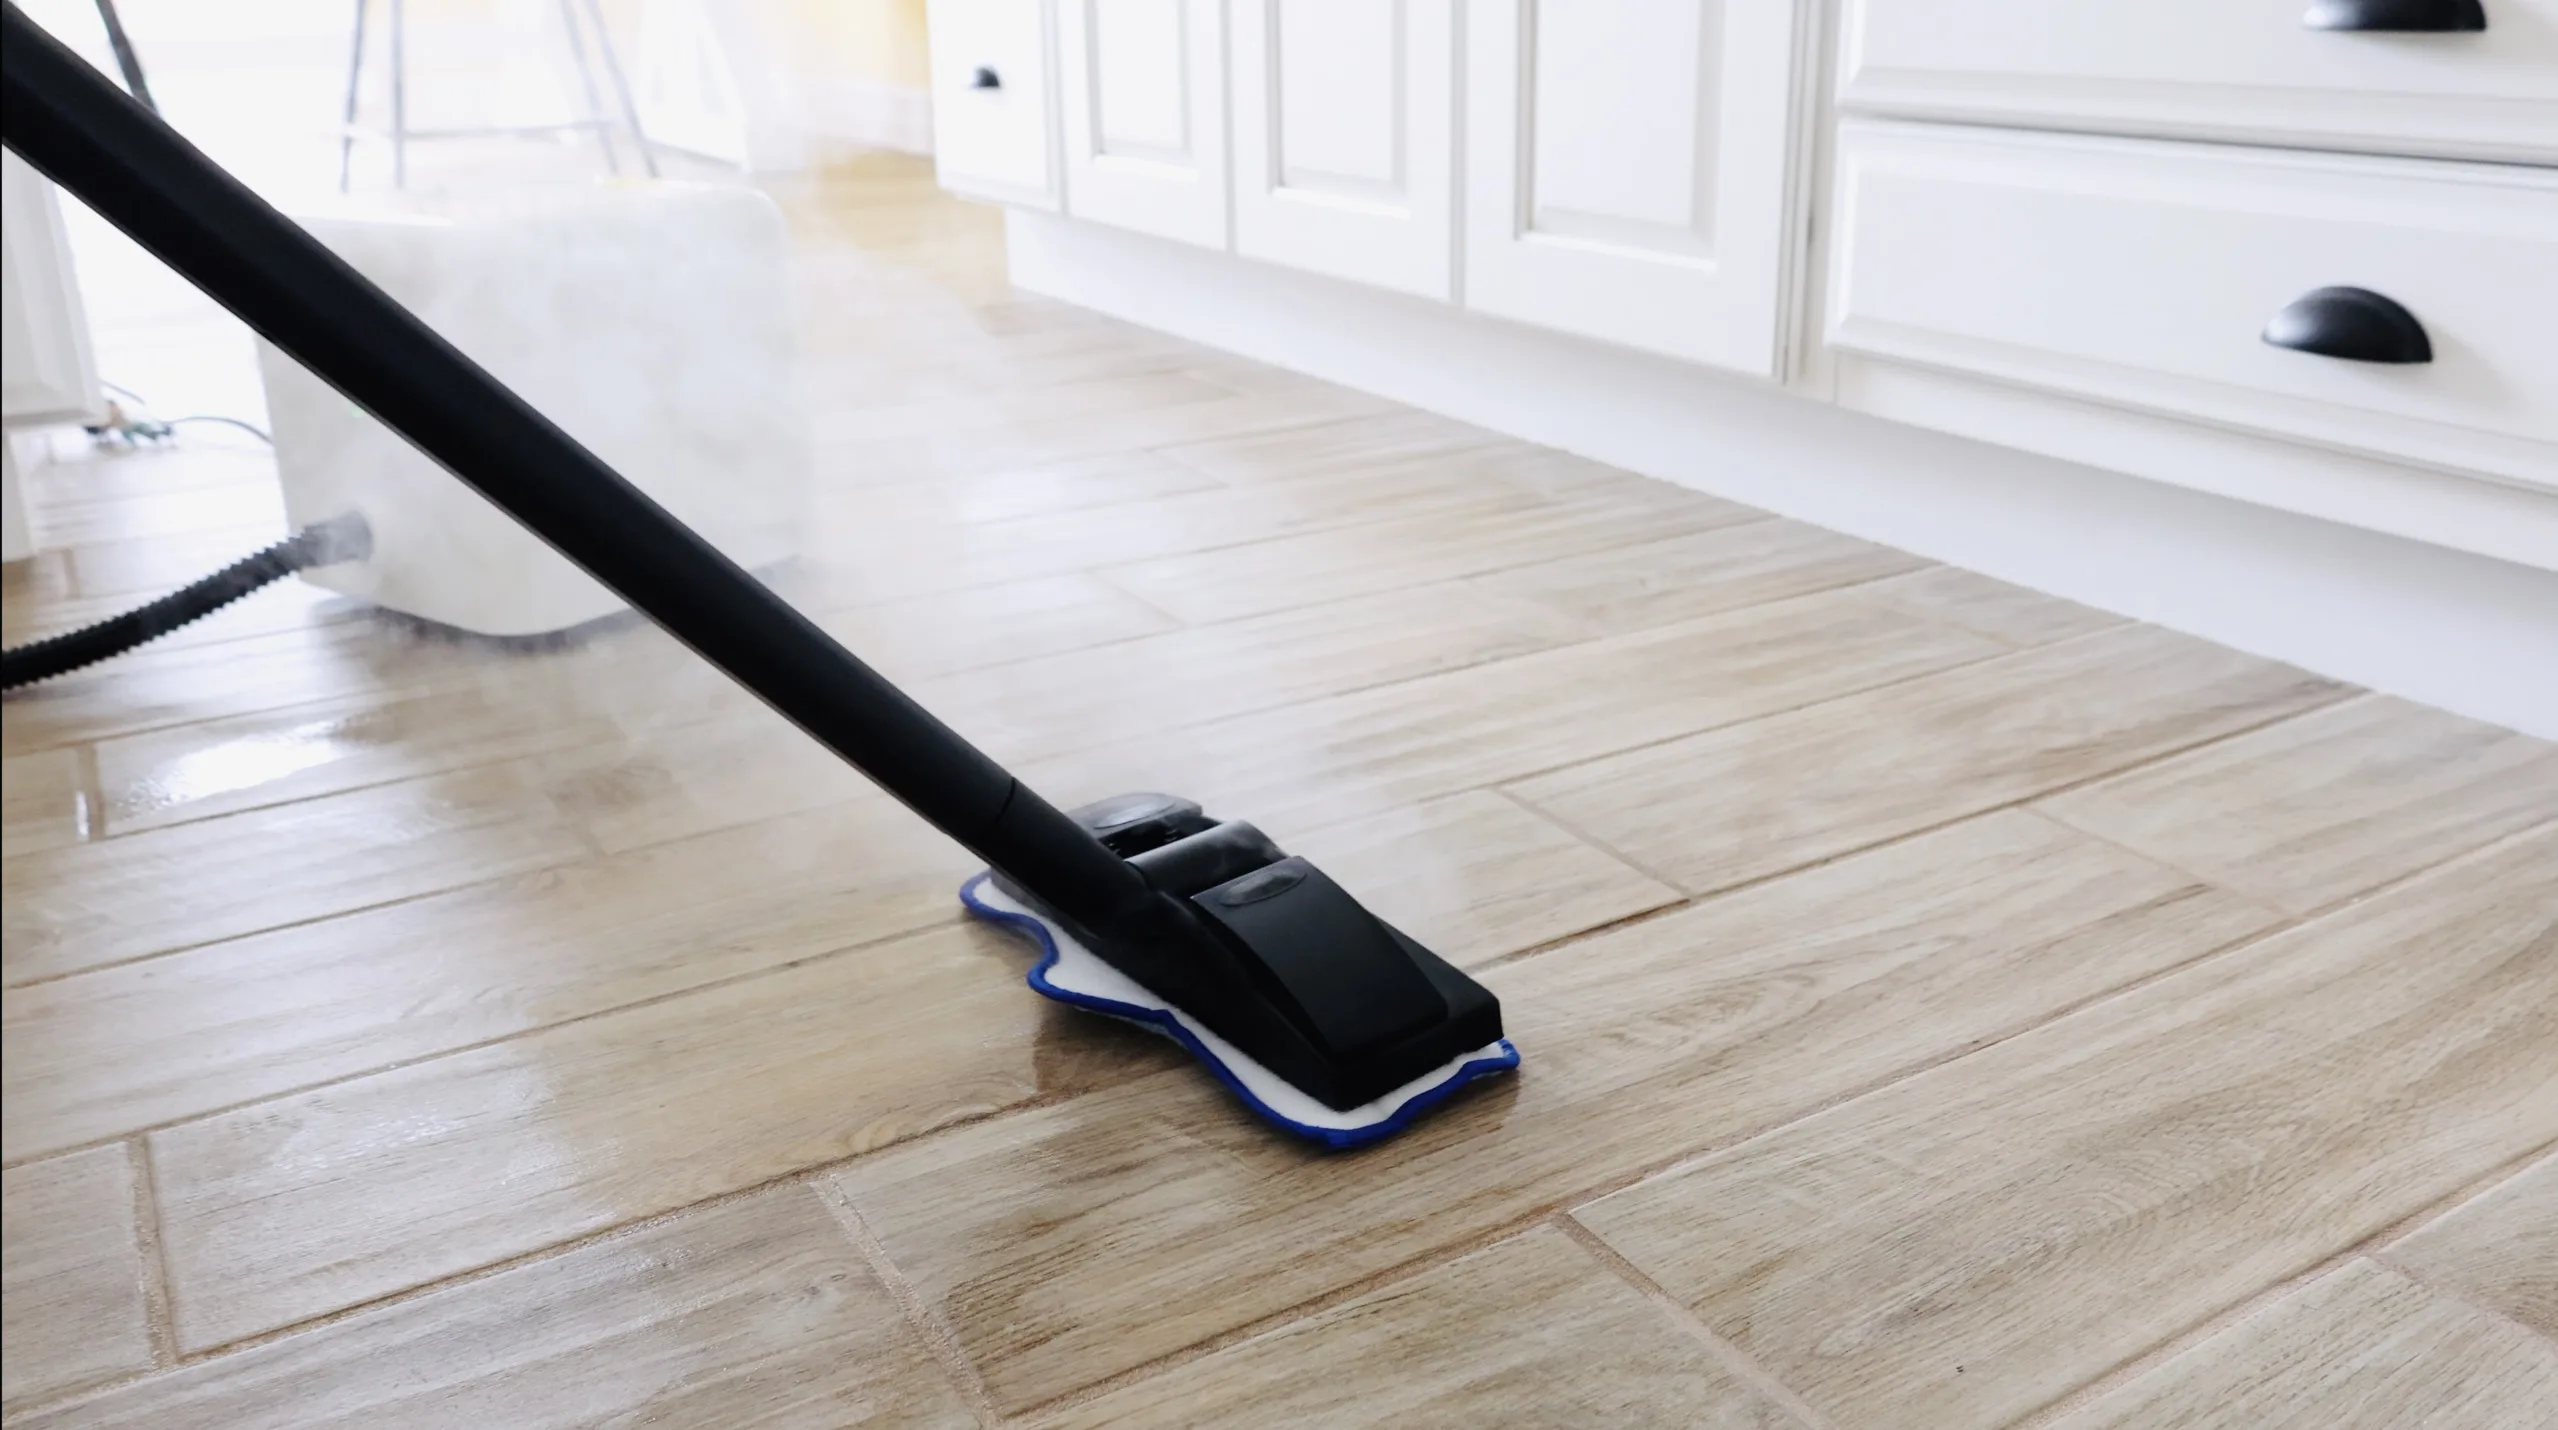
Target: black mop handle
x=70, y=123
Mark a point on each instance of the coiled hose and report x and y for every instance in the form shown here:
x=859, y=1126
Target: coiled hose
x=344, y=538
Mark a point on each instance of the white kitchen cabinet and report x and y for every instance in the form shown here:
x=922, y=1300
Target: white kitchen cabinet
x=1628, y=171
x=2245, y=70
x=1141, y=84
x=1345, y=138
x=994, y=130
x=2142, y=274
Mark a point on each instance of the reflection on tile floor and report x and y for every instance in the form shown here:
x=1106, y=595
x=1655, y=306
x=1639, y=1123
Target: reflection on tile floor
x=1942, y=1005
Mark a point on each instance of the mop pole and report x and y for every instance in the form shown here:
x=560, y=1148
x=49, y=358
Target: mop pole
x=71, y=124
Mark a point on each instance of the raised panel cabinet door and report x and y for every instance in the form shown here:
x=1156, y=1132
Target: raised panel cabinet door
x=2357, y=75
x=1629, y=175
x=1142, y=85
x=1345, y=134
x=994, y=132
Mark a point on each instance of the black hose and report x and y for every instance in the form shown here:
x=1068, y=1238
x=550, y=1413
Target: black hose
x=344, y=539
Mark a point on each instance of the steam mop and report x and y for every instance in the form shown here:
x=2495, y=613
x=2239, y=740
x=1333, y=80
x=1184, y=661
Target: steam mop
x=1322, y=1018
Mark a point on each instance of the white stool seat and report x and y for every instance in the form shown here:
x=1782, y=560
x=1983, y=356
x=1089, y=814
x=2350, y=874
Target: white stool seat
x=651, y=321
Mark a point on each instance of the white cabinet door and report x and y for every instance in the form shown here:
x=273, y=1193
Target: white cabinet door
x=992, y=129
x=1627, y=174
x=1145, y=115
x=1345, y=135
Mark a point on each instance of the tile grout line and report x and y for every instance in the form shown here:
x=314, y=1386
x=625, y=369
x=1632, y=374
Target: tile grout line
x=940, y=1339
x=159, y=1305
x=1739, y=1362
x=1561, y=1205
x=565, y=859
x=1099, y=575
x=2033, y=809
x=2459, y=1296
x=593, y=1236
x=1894, y=1078
x=2228, y=1318
x=2025, y=804
x=1516, y=801
x=955, y=920
x=2002, y=653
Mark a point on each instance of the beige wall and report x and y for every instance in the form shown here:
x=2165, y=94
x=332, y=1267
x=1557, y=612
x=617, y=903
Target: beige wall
x=865, y=41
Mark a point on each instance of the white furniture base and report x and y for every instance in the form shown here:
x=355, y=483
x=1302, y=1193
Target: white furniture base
x=652, y=321
x=2467, y=632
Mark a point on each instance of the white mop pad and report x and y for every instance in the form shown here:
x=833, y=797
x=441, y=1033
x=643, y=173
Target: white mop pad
x=1071, y=973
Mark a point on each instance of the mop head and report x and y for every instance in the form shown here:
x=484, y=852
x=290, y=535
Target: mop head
x=1072, y=974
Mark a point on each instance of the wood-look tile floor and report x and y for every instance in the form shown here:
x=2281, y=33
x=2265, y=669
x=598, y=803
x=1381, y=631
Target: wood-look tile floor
x=1942, y=1005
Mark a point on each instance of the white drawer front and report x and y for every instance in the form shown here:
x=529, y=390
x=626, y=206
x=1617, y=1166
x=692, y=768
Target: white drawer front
x=2222, y=69
x=2143, y=274
x=991, y=110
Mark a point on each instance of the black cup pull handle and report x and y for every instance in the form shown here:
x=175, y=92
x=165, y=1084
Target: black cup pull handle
x=986, y=78
x=2418, y=16
x=2355, y=324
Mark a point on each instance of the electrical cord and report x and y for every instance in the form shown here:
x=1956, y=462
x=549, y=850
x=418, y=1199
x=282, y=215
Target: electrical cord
x=139, y=427
x=344, y=538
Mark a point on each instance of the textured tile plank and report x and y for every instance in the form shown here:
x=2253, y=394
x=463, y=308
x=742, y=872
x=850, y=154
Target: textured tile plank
x=276, y=1213
x=1070, y=1242
x=1530, y=1332
x=1657, y=582
x=753, y=1313
x=1005, y=495
x=1019, y=402
x=1475, y=877
x=2361, y=1348
x=2039, y=1212
x=2499, y=1251
x=268, y=758
x=1055, y=704
x=966, y=449
x=920, y=637
x=1732, y=805
x=45, y=801
x=1374, y=751
x=2335, y=803
x=156, y=687
x=73, y=1274
x=1260, y=576
x=1994, y=608
x=1384, y=439
x=105, y=1053
x=112, y=900
x=914, y=557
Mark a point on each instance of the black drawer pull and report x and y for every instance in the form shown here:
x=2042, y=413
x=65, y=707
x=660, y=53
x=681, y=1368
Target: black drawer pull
x=986, y=78
x=2355, y=324
x=2432, y=16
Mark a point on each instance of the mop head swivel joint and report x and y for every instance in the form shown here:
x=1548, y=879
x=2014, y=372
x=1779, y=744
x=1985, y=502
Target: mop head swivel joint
x=1324, y=1019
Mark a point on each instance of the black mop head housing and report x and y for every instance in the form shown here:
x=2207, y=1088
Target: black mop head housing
x=1288, y=971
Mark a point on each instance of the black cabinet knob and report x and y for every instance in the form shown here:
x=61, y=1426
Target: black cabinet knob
x=2355, y=324
x=986, y=78
x=2435, y=16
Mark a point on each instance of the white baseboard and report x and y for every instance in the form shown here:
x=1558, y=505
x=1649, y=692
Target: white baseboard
x=848, y=115
x=2464, y=632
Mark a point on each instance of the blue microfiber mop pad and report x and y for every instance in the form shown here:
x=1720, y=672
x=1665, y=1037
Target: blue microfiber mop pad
x=1073, y=974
